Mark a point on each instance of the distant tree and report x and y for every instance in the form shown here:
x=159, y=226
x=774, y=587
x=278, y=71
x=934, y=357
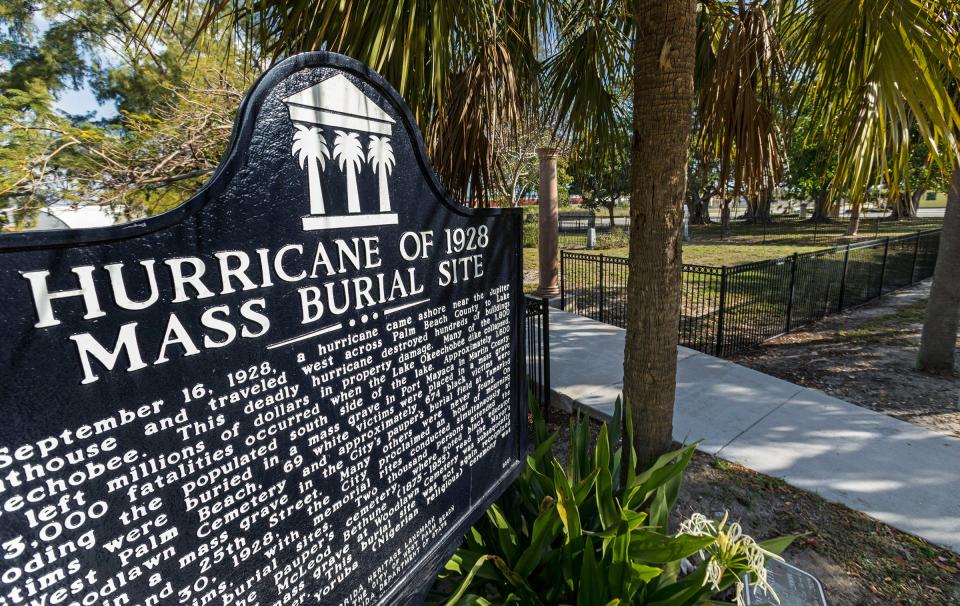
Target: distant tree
x=516, y=172
x=702, y=185
x=605, y=184
x=176, y=108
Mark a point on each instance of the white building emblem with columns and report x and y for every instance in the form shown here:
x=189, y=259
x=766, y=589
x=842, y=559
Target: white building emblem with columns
x=337, y=107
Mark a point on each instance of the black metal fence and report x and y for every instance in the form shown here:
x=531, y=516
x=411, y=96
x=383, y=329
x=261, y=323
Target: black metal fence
x=573, y=228
x=778, y=230
x=537, y=348
x=792, y=230
x=728, y=309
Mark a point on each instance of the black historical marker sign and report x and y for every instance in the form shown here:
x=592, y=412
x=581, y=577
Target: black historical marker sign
x=299, y=387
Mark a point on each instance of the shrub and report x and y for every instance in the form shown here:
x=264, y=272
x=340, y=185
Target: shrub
x=531, y=234
x=616, y=237
x=595, y=532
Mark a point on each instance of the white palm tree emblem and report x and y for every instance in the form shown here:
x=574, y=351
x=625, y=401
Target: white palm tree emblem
x=380, y=155
x=348, y=149
x=311, y=150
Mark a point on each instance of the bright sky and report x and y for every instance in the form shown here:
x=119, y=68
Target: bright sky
x=82, y=101
x=79, y=101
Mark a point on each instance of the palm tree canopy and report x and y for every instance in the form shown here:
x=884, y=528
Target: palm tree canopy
x=741, y=78
x=870, y=71
x=309, y=144
x=380, y=153
x=456, y=64
x=348, y=149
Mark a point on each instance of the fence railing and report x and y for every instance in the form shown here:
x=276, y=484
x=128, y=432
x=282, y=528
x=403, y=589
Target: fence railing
x=724, y=310
x=778, y=230
x=793, y=230
x=537, y=349
x=573, y=228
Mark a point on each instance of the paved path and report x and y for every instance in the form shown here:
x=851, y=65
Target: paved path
x=902, y=474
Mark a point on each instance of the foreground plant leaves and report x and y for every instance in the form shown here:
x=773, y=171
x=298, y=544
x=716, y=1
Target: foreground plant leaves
x=586, y=534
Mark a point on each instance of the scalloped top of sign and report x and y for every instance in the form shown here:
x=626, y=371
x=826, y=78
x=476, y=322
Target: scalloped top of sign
x=338, y=103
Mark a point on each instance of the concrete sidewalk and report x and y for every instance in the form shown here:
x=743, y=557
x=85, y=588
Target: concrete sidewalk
x=899, y=473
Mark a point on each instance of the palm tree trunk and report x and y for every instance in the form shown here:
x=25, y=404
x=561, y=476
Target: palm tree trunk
x=384, y=191
x=820, y=205
x=854, y=225
x=316, y=194
x=353, y=198
x=724, y=215
x=663, y=53
x=939, y=339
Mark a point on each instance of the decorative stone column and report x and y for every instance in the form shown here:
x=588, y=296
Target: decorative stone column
x=549, y=224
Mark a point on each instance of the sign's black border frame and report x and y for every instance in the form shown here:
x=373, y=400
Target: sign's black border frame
x=413, y=587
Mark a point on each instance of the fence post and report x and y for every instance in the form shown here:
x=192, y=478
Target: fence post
x=723, y=308
x=793, y=281
x=601, y=287
x=843, y=279
x=563, y=297
x=883, y=266
x=916, y=250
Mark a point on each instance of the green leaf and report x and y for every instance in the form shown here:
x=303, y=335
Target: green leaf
x=591, y=590
x=566, y=504
x=779, y=544
x=687, y=591
x=657, y=548
x=545, y=529
x=455, y=598
x=667, y=466
x=618, y=564
x=665, y=500
x=517, y=581
x=644, y=573
x=602, y=450
x=616, y=425
x=607, y=505
x=506, y=535
x=543, y=452
x=630, y=473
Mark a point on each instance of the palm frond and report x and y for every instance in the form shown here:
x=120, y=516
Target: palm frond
x=439, y=55
x=587, y=80
x=874, y=70
x=741, y=80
